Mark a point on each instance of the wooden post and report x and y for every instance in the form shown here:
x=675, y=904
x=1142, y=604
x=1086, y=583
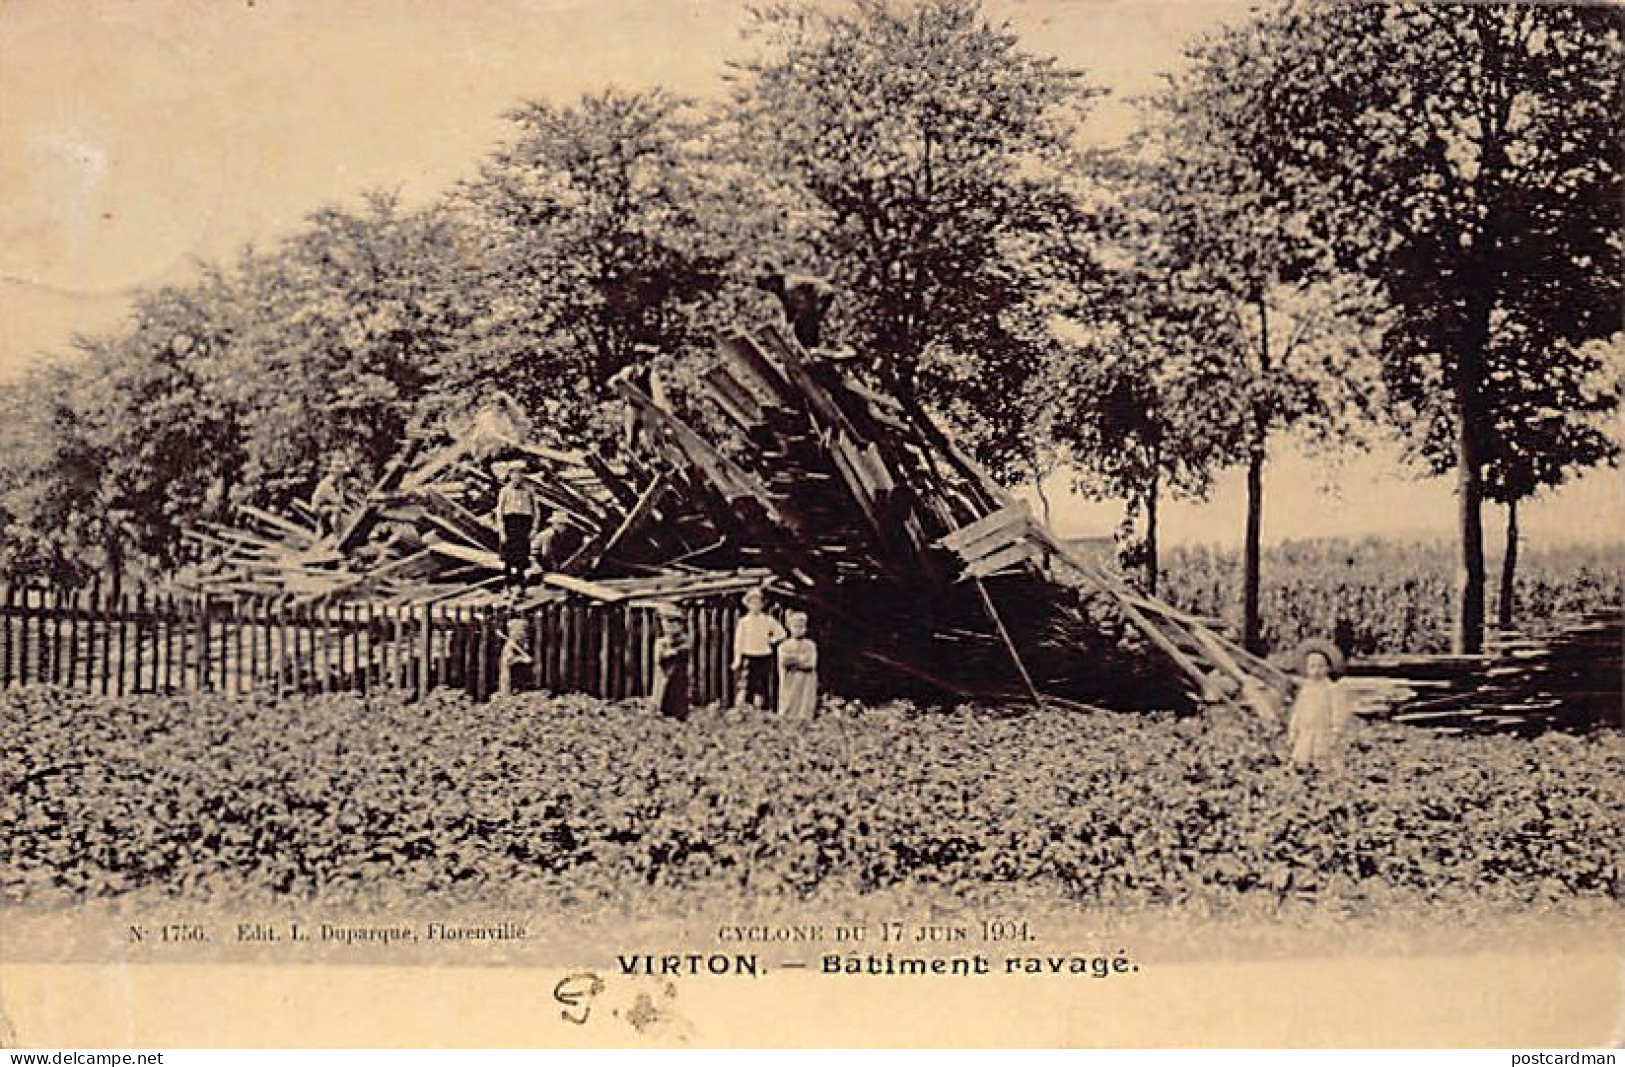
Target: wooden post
x=239, y=623
x=482, y=654
x=606, y=652
x=71, y=610
x=164, y=608
x=55, y=675
x=427, y=638
x=6, y=605
x=22, y=639
x=298, y=617
x=699, y=654
x=251, y=619
x=201, y=610
x=555, y=647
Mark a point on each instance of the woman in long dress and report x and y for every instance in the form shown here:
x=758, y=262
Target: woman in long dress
x=1320, y=714
x=798, y=668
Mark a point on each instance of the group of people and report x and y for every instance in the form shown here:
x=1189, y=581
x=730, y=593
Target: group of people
x=765, y=652
x=774, y=663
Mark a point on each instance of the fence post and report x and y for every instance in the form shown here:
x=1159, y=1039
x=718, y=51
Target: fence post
x=5, y=636
x=205, y=638
x=140, y=635
x=420, y=677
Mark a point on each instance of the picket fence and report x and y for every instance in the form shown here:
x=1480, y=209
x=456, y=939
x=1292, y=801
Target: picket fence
x=88, y=639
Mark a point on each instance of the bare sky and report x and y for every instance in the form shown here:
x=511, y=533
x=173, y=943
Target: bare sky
x=139, y=136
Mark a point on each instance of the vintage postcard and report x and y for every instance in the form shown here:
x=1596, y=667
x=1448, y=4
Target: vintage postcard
x=847, y=522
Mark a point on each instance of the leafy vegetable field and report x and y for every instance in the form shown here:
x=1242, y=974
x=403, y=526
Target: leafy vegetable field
x=351, y=799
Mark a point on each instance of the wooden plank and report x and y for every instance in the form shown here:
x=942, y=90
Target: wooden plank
x=56, y=639
x=1020, y=552
x=996, y=541
x=635, y=519
x=1017, y=514
x=595, y=590
x=482, y=660
x=75, y=632
x=146, y=633
x=733, y=399
x=166, y=647
x=478, y=557
x=470, y=527
x=307, y=535
x=623, y=494
x=752, y=369
x=730, y=479
x=355, y=531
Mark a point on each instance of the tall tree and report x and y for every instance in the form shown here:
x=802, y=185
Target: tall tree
x=1256, y=284
x=1548, y=424
x=1130, y=403
x=1466, y=156
x=928, y=157
x=595, y=246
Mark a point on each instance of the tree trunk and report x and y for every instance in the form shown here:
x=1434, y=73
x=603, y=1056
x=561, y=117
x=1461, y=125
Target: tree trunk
x=1509, y=569
x=1251, y=629
x=1038, y=488
x=1151, y=568
x=1468, y=634
x=1251, y=626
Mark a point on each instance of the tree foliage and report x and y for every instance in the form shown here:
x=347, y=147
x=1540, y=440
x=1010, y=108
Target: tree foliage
x=1455, y=150
x=930, y=159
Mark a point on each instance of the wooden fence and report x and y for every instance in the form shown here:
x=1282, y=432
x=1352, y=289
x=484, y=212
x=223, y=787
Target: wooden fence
x=160, y=644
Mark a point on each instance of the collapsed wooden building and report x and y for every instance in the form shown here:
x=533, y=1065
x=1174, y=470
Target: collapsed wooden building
x=783, y=467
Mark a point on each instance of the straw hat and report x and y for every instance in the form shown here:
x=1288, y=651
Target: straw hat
x=1333, y=654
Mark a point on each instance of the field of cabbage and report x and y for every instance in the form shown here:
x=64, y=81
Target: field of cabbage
x=350, y=800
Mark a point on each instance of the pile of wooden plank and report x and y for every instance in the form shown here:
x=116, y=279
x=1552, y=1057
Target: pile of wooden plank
x=791, y=468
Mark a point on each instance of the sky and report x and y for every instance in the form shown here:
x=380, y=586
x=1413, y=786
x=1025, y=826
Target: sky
x=140, y=137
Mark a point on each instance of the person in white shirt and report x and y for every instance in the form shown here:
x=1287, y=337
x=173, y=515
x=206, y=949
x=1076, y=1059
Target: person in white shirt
x=516, y=512
x=755, y=637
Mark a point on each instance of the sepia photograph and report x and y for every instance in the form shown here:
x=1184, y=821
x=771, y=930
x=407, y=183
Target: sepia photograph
x=1061, y=523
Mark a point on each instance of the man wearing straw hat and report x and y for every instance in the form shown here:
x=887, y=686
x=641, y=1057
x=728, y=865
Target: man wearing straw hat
x=1320, y=714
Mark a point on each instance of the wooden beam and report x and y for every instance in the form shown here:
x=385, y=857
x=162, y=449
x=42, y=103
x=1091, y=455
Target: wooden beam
x=1009, y=643
x=280, y=523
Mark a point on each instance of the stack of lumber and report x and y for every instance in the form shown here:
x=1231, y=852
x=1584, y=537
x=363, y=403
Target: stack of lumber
x=789, y=468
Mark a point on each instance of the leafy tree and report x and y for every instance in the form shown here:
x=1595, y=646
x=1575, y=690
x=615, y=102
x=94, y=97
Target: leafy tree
x=1128, y=404
x=595, y=245
x=50, y=484
x=1547, y=414
x=928, y=160
x=339, y=336
x=1466, y=157
x=1253, y=285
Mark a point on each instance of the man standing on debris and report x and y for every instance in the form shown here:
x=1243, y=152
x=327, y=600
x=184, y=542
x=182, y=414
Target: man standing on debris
x=327, y=499
x=516, y=512
x=805, y=299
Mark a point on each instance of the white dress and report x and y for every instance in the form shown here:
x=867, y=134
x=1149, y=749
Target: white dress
x=1318, y=717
